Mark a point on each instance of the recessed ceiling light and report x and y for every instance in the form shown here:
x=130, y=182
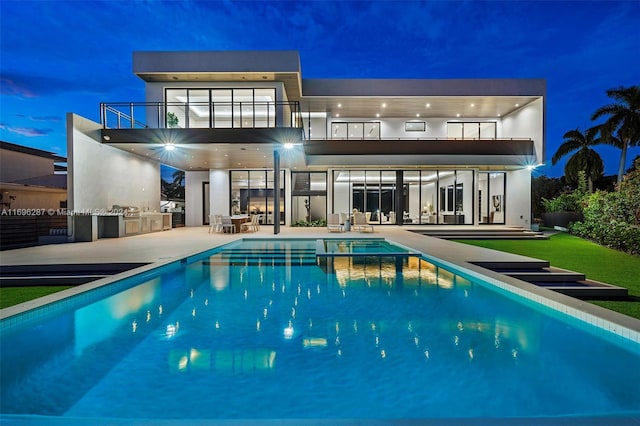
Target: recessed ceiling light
x=338, y=115
x=498, y=115
x=458, y=115
x=339, y=105
x=428, y=105
x=417, y=115
x=384, y=105
x=472, y=105
x=226, y=155
x=378, y=115
x=517, y=105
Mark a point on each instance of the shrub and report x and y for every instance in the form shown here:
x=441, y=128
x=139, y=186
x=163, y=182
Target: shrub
x=613, y=218
x=313, y=224
x=567, y=202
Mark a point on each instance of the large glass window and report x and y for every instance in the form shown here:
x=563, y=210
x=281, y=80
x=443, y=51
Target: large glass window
x=372, y=192
x=252, y=192
x=199, y=108
x=221, y=108
x=491, y=202
x=355, y=130
x=471, y=130
x=428, y=203
x=308, y=196
x=438, y=197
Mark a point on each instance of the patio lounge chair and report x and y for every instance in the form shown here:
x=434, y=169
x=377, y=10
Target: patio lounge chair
x=333, y=223
x=360, y=223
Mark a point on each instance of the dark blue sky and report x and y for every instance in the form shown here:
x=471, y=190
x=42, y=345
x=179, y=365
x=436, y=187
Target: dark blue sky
x=58, y=57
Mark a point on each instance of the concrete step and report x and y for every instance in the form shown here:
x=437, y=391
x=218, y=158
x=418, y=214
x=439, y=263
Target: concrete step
x=59, y=274
x=563, y=281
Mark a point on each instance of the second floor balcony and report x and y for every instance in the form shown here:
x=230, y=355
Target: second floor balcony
x=200, y=115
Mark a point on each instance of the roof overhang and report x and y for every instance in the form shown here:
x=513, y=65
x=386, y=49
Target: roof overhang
x=385, y=153
x=204, y=149
x=222, y=66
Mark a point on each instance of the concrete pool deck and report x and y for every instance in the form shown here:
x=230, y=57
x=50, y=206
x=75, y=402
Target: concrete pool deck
x=163, y=247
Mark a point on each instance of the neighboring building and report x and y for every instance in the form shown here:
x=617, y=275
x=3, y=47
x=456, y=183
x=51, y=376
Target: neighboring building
x=31, y=178
x=242, y=123
x=33, y=196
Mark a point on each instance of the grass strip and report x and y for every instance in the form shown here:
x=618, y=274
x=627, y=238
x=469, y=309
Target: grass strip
x=10, y=296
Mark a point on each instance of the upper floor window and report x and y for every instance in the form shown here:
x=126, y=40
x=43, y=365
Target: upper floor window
x=471, y=130
x=355, y=130
x=221, y=108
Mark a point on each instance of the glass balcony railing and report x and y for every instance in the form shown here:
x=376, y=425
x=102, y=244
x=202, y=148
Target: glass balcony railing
x=207, y=115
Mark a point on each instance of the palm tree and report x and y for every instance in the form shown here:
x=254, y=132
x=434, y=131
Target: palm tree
x=585, y=159
x=623, y=120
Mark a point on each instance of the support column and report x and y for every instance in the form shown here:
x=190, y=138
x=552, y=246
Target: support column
x=399, y=201
x=276, y=192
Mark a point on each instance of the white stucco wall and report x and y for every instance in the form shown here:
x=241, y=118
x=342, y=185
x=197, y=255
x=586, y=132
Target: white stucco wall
x=101, y=176
x=518, y=198
x=219, y=186
x=527, y=122
x=193, y=197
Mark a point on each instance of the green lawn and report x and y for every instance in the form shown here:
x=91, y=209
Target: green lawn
x=13, y=295
x=596, y=262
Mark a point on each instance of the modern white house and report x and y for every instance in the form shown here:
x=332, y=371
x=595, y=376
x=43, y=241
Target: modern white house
x=243, y=124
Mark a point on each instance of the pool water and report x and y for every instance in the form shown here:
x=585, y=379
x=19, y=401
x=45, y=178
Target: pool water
x=259, y=330
x=379, y=246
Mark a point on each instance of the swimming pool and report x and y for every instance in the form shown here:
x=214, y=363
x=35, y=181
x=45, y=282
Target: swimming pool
x=258, y=329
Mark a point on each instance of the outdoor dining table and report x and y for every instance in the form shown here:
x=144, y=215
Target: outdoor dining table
x=238, y=220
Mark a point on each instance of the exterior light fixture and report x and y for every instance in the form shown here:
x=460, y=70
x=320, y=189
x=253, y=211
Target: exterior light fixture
x=169, y=147
x=107, y=138
x=288, y=145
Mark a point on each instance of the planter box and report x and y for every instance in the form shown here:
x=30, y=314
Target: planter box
x=562, y=219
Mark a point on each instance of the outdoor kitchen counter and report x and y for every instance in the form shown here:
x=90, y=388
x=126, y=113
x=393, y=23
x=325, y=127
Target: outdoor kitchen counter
x=93, y=227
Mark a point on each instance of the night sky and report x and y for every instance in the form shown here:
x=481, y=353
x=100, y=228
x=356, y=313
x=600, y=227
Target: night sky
x=58, y=56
